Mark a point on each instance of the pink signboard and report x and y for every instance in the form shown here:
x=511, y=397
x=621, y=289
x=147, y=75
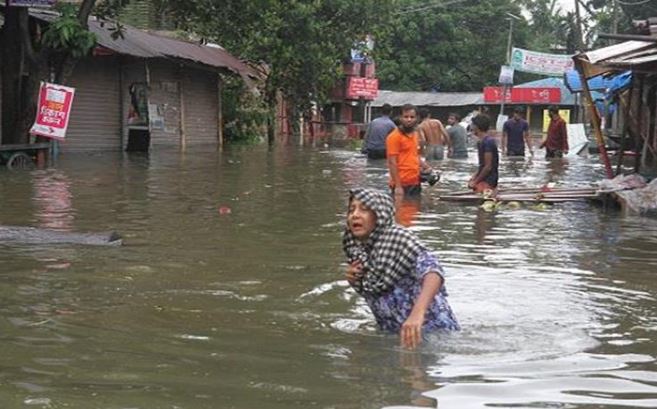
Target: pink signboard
x=53, y=111
x=539, y=95
x=361, y=87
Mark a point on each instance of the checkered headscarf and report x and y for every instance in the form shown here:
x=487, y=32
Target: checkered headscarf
x=390, y=251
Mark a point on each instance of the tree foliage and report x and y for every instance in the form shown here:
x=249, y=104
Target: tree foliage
x=458, y=47
x=301, y=41
x=67, y=34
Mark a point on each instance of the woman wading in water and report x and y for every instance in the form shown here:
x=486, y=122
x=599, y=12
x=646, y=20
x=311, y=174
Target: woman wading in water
x=401, y=281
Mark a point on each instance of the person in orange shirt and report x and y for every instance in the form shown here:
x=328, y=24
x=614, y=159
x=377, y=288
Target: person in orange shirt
x=403, y=153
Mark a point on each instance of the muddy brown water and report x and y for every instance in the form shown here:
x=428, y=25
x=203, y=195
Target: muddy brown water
x=228, y=290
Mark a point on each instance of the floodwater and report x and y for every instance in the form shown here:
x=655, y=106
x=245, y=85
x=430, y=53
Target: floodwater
x=228, y=291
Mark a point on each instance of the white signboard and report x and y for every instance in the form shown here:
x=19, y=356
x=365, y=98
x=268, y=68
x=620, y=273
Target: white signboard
x=506, y=75
x=541, y=63
x=577, y=139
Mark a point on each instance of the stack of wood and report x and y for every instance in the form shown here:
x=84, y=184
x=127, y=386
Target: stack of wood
x=536, y=195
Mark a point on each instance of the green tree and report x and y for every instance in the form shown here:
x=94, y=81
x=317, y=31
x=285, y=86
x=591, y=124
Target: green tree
x=457, y=47
x=303, y=42
x=35, y=51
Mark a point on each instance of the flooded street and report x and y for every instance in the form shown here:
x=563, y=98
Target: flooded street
x=229, y=290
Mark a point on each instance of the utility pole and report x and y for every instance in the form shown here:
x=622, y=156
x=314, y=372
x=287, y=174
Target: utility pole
x=508, y=56
x=614, y=26
x=578, y=28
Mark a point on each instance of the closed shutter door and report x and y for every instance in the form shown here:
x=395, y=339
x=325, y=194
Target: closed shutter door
x=164, y=94
x=201, y=102
x=95, y=122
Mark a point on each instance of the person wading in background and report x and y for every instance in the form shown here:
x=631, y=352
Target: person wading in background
x=403, y=153
x=486, y=176
x=556, y=143
x=458, y=138
x=377, y=132
x=432, y=135
x=515, y=135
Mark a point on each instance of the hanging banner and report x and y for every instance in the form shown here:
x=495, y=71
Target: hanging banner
x=506, y=75
x=534, y=95
x=30, y=3
x=541, y=63
x=53, y=111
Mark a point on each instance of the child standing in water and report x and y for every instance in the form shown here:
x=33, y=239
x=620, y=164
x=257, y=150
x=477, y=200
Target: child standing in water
x=401, y=281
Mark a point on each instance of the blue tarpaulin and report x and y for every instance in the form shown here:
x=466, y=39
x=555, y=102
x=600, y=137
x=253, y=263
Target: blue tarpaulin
x=600, y=83
x=620, y=82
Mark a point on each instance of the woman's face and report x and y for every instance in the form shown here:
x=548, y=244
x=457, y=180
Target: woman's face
x=361, y=221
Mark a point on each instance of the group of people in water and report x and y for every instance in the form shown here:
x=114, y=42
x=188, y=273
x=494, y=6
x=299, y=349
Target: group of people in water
x=401, y=280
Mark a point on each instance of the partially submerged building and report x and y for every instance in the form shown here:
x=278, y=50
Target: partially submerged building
x=636, y=127
x=143, y=90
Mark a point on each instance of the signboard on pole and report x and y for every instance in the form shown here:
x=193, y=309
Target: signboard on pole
x=361, y=87
x=53, y=111
x=30, y=3
x=506, y=75
x=534, y=95
x=541, y=63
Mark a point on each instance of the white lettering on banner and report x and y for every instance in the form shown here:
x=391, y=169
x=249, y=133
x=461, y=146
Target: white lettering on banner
x=53, y=111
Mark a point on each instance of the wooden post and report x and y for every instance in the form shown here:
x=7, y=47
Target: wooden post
x=624, y=105
x=181, y=94
x=595, y=117
x=220, y=114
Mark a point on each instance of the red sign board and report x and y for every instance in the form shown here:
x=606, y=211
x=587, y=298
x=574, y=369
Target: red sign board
x=361, y=87
x=53, y=111
x=541, y=95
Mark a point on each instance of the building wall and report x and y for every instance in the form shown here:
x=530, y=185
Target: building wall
x=95, y=122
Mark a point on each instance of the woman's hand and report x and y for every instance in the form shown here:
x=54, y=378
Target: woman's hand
x=411, y=331
x=355, y=272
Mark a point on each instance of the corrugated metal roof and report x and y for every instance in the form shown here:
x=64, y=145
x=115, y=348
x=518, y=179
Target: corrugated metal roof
x=634, y=61
x=436, y=99
x=140, y=43
x=617, y=50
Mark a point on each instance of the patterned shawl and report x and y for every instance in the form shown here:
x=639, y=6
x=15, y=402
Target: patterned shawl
x=389, y=253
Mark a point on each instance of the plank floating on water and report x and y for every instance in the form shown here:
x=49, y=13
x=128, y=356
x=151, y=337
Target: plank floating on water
x=33, y=235
x=526, y=195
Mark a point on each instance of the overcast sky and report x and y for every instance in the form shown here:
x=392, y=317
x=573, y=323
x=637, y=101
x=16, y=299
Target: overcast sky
x=566, y=5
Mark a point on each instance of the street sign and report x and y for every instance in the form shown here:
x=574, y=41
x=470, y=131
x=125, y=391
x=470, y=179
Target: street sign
x=53, y=111
x=506, y=75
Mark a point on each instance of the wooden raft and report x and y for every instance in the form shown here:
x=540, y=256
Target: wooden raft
x=536, y=195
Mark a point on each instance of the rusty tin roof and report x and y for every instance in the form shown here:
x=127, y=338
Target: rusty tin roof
x=144, y=44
